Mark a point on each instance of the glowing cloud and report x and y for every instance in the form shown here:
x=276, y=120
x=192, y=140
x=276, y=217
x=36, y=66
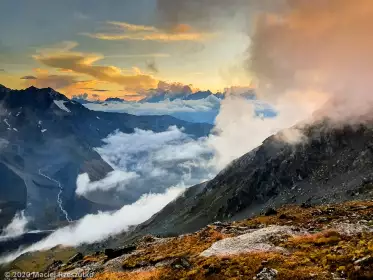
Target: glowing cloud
x=324, y=46
x=83, y=63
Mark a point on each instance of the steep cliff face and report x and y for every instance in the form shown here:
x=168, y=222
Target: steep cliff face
x=330, y=164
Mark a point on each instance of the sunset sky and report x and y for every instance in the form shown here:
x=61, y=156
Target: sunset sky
x=120, y=47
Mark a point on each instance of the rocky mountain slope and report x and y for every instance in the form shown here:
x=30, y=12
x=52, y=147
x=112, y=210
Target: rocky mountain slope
x=331, y=164
x=46, y=140
x=305, y=229
x=294, y=242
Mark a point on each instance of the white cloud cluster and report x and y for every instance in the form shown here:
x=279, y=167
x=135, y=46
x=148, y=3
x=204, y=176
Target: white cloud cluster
x=16, y=227
x=151, y=169
x=93, y=228
x=115, y=179
x=239, y=129
x=148, y=161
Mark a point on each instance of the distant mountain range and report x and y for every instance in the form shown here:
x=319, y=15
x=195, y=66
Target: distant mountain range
x=199, y=107
x=46, y=140
x=163, y=96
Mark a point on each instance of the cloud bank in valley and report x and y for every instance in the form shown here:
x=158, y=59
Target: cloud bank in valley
x=151, y=169
x=145, y=161
x=96, y=227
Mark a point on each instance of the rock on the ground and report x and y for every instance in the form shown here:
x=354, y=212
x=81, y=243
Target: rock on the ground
x=266, y=274
x=114, y=253
x=258, y=240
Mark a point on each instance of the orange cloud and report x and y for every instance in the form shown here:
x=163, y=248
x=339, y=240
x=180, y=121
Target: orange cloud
x=322, y=45
x=71, y=85
x=84, y=64
x=127, y=31
x=182, y=28
x=132, y=27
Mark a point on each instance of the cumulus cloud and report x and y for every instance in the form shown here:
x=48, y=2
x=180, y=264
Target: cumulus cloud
x=96, y=227
x=127, y=31
x=83, y=63
x=114, y=180
x=16, y=227
x=324, y=46
x=239, y=129
x=153, y=161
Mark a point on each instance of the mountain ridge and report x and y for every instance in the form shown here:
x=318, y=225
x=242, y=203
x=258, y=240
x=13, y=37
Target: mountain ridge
x=333, y=164
x=42, y=129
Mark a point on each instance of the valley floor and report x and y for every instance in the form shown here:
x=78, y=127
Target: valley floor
x=293, y=242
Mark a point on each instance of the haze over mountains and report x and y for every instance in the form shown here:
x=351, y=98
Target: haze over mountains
x=199, y=107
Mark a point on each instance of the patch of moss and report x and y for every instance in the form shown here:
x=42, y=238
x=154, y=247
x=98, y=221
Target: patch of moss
x=182, y=246
x=141, y=275
x=40, y=260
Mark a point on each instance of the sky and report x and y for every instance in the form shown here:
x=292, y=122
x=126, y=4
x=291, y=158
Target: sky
x=121, y=48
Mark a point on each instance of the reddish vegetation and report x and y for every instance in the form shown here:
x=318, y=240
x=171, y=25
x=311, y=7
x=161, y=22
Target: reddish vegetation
x=319, y=251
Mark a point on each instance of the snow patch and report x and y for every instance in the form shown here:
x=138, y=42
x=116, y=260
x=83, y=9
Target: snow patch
x=6, y=121
x=350, y=229
x=61, y=105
